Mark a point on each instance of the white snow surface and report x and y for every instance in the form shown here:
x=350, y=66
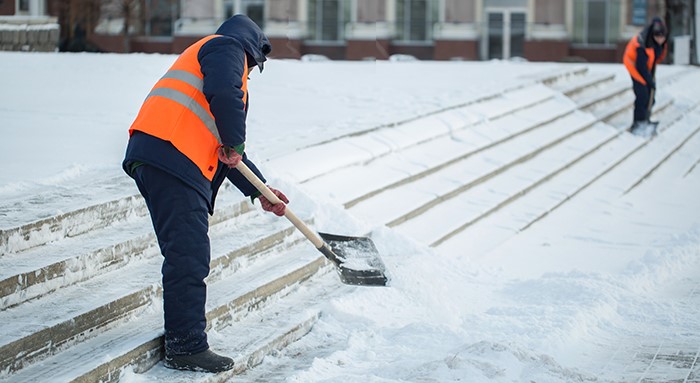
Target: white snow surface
x=594, y=292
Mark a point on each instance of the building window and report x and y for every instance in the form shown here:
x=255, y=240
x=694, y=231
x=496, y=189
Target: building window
x=371, y=11
x=160, y=15
x=596, y=22
x=327, y=20
x=282, y=10
x=255, y=9
x=459, y=11
x=414, y=19
x=23, y=6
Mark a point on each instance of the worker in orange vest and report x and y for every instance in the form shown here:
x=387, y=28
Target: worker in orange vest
x=188, y=137
x=642, y=54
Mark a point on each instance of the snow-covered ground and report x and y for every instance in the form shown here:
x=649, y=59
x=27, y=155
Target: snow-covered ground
x=602, y=289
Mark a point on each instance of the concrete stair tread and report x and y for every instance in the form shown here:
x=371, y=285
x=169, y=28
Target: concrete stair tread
x=559, y=74
x=359, y=149
x=72, y=254
x=73, y=301
x=619, y=89
x=482, y=199
x=147, y=326
x=132, y=277
x=583, y=82
x=669, y=140
x=670, y=115
x=40, y=202
x=514, y=100
x=29, y=232
x=688, y=160
x=460, y=175
x=75, y=308
x=495, y=229
x=264, y=331
x=37, y=271
x=68, y=224
x=590, y=98
x=596, y=177
x=386, y=171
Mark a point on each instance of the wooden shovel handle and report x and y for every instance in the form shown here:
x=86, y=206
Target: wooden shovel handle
x=253, y=178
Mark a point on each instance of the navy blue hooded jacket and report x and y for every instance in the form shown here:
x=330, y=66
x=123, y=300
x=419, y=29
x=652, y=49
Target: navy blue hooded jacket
x=222, y=62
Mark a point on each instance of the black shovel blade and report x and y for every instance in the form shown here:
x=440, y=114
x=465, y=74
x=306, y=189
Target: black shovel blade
x=356, y=259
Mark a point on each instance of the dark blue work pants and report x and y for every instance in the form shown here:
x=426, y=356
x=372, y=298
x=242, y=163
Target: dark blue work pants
x=642, y=106
x=180, y=218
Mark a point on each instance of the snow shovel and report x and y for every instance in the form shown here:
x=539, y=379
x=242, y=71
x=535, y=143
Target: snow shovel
x=651, y=126
x=356, y=258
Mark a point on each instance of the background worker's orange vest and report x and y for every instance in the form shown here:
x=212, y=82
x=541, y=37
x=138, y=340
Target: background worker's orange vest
x=177, y=111
x=630, y=58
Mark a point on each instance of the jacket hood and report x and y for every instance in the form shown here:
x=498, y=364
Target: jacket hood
x=657, y=26
x=249, y=34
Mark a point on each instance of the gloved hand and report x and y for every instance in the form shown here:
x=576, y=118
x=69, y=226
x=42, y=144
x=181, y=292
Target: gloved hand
x=279, y=208
x=231, y=156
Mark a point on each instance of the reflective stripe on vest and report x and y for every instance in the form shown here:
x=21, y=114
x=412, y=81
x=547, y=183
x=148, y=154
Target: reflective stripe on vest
x=177, y=111
x=187, y=101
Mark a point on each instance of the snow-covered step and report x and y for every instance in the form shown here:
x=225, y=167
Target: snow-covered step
x=32, y=233
x=679, y=76
x=395, y=206
x=489, y=232
x=271, y=328
x=69, y=224
x=596, y=95
x=615, y=158
x=562, y=74
x=513, y=101
x=595, y=98
x=75, y=312
x=624, y=173
x=619, y=159
x=692, y=169
x=611, y=106
x=687, y=159
x=415, y=162
x=662, y=104
x=666, y=144
x=623, y=107
x=461, y=211
x=581, y=83
x=596, y=177
x=30, y=203
x=40, y=270
x=137, y=342
x=362, y=148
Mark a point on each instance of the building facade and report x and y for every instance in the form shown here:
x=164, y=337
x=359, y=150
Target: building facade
x=536, y=30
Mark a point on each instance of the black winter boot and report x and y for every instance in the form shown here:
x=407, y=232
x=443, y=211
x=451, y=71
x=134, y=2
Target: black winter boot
x=205, y=361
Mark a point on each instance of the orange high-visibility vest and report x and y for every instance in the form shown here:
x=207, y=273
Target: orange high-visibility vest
x=177, y=111
x=630, y=58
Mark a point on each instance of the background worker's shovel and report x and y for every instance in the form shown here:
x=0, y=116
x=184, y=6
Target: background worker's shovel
x=356, y=258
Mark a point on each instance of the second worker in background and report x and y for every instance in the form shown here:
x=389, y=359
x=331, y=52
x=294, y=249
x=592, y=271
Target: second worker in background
x=642, y=54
